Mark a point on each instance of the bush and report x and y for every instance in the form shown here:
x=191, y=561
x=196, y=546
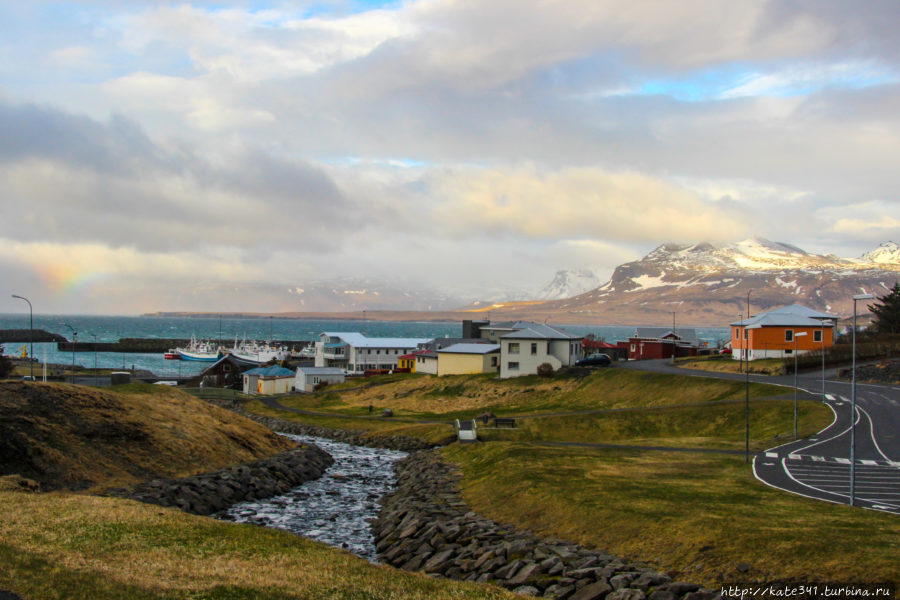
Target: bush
x=6, y=365
x=545, y=370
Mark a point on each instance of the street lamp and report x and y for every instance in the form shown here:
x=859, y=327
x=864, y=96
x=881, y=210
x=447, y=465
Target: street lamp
x=796, y=335
x=853, y=403
x=30, y=334
x=746, y=342
x=74, y=343
x=823, y=361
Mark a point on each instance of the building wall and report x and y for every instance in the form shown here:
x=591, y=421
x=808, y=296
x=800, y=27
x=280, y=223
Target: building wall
x=407, y=363
x=307, y=382
x=525, y=359
x=426, y=364
x=770, y=342
x=463, y=364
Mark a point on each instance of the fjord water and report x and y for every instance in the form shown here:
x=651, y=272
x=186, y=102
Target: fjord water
x=92, y=328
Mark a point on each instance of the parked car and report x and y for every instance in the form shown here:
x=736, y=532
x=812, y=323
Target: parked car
x=594, y=360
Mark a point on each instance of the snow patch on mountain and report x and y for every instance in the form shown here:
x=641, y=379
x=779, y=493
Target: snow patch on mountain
x=886, y=253
x=569, y=283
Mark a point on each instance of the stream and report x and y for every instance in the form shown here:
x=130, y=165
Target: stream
x=337, y=507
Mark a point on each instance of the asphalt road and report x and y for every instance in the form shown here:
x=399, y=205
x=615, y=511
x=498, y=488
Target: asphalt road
x=819, y=466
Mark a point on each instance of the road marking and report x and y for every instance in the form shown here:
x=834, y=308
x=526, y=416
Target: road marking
x=867, y=462
x=872, y=433
x=818, y=458
x=829, y=397
x=843, y=461
x=771, y=455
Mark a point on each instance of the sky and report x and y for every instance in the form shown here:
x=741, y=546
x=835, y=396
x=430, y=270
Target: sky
x=148, y=148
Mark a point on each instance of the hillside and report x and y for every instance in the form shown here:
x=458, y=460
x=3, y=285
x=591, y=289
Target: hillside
x=79, y=438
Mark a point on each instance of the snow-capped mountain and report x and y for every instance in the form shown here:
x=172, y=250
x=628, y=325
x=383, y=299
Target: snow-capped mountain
x=887, y=253
x=706, y=284
x=566, y=284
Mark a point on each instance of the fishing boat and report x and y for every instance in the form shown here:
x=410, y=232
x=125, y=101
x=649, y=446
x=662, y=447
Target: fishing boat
x=199, y=350
x=172, y=354
x=257, y=353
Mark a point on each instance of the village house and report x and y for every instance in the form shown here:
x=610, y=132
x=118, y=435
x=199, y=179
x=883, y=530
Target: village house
x=357, y=353
x=662, y=342
x=268, y=380
x=307, y=379
x=524, y=346
x=777, y=333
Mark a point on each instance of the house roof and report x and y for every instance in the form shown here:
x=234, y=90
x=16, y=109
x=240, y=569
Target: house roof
x=794, y=315
x=538, y=331
x=470, y=349
x=358, y=340
x=320, y=370
x=685, y=334
x=273, y=371
x=427, y=354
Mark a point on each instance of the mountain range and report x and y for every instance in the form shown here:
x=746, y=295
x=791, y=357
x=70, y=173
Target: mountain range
x=705, y=284
x=694, y=284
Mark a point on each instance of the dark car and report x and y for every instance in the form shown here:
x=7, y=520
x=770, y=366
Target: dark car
x=594, y=360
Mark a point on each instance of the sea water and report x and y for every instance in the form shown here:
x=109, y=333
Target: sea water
x=94, y=328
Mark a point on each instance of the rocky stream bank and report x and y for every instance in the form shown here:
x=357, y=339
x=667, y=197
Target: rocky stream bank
x=424, y=525
x=208, y=493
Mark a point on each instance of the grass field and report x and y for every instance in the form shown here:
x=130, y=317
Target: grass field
x=465, y=396
x=699, y=515
x=58, y=545
x=726, y=364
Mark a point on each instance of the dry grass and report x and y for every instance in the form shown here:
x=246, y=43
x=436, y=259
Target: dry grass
x=83, y=438
x=697, y=515
x=60, y=545
x=722, y=364
x=467, y=395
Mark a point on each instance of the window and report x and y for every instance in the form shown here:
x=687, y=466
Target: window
x=533, y=348
x=789, y=335
x=493, y=361
x=512, y=366
x=817, y=336
x=789, y=351
x=746, y=334
x=514, y=349
x=226, y=368
x=737, y=333
x=632, y=347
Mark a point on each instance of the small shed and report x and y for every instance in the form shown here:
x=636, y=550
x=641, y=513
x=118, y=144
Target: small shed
x=307, y=378
x=268, y=380
x=466, y=431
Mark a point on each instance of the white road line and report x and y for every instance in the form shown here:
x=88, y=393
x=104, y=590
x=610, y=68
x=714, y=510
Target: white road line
x=771, y=455
x=788, y=473
x=835, y=420
x=872, y=433
x=858, y=417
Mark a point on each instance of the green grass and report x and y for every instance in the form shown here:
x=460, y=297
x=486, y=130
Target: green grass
x=697, y=515
x=69, y=546
x=708, y=426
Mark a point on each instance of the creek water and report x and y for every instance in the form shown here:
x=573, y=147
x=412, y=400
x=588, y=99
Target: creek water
x=336, y=508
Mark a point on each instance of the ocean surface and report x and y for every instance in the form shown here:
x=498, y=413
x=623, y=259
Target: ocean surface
x=92, y=328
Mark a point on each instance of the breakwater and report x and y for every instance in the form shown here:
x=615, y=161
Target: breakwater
x=208, y=493
x=143, y=345
x=424, y=525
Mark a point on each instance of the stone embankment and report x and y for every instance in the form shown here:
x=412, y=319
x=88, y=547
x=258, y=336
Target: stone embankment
x=424, y=525
x=212, y=492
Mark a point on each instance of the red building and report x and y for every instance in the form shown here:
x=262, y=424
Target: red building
x=658, y=342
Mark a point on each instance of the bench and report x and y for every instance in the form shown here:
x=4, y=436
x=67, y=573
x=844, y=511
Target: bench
x=504, y=422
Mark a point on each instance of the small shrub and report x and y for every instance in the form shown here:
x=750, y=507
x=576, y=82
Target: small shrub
x=545, y=370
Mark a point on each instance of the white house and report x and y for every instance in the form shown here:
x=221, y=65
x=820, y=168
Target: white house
x=307, y=378
x=529, y=345
x=357, y=353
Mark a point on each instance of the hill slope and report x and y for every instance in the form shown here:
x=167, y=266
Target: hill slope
x=74, y=437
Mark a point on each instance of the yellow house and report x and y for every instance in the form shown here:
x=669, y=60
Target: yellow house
x=407, y=361
x=268, y=380
x=464, y=359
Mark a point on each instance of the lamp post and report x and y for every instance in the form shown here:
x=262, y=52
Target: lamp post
x=96, y=377
x=745, y=342
x=823, y=361
x=74, y=343
x=30, y=333
x=796, y=335
x=853, y=403
x=741, y=340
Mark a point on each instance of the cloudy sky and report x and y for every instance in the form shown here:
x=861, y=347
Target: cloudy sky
x=147, y=147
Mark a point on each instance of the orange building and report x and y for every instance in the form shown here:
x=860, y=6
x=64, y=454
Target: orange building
x=777, y=333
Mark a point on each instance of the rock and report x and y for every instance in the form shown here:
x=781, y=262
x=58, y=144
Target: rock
x=626, y=594
x=594, y=591
x=743, y=567
x=527, y=590
x=529, y=571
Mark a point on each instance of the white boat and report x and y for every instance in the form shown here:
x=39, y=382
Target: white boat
x=203, y=351
x=259, y=353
